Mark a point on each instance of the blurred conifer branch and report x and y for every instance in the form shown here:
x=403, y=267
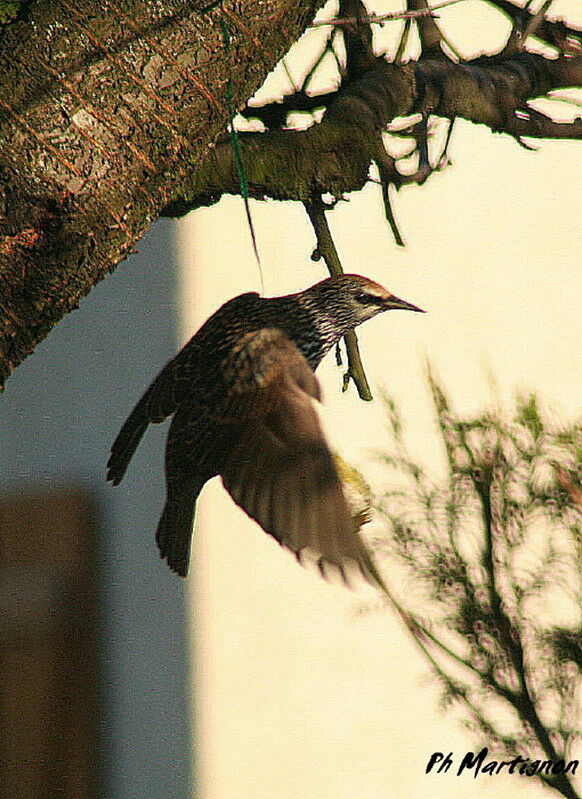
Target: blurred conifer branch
x=492, y=579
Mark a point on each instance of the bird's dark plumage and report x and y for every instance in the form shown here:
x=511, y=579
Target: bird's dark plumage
x=241, y=395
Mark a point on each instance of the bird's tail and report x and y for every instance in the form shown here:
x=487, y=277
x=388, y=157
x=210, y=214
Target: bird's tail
x=174, y=533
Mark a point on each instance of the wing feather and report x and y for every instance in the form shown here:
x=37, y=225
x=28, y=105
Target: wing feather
x=281, y=472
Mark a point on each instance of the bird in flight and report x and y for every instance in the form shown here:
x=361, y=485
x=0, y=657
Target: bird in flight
x=241, y=396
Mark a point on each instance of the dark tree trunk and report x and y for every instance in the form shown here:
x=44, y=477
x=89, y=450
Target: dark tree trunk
x=104, y=108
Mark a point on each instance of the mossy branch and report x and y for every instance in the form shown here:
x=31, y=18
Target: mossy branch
x=335, y=155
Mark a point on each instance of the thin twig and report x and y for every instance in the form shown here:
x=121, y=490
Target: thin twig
x=522, y=701
x=398, y=59
x=536, y=20
x=380, y=19
x=431, y=36
x=390, y=218
x=326, y=247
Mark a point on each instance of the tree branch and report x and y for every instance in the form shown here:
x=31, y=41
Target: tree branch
x=475, y=596
x=510, y=638
x=565, y=38
x=288, y=165
x=431, y=36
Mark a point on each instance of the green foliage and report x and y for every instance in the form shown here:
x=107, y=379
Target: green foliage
x=528, y=415
x=492, y=579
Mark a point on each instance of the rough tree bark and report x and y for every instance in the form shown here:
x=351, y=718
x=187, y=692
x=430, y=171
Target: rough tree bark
x=103, y=109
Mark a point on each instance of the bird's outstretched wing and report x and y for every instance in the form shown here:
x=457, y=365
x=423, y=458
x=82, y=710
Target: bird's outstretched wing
x=174, y=386
x=159, y=401
x=281, y=472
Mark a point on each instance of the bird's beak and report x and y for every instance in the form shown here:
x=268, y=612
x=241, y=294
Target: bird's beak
x=395, y=302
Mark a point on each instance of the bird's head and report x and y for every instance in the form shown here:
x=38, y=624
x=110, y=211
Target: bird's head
x=351, y=299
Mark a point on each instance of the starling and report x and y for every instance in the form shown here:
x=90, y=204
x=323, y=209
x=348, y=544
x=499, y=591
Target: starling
x=241, y=395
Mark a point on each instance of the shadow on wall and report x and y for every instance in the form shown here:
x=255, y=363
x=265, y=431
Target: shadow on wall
x=92, y=624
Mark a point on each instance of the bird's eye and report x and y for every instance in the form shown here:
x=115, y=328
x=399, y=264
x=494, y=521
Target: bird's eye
x=368, y=299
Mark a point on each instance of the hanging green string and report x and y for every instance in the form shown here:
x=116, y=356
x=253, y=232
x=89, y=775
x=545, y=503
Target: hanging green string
x=236, y=149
